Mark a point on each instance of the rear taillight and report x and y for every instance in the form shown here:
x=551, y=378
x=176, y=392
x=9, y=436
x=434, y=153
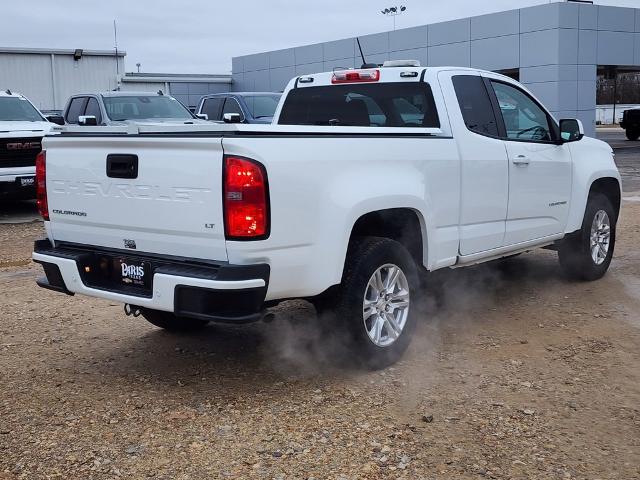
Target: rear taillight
x=41, y=184
x=355, y=76
x=246, y=208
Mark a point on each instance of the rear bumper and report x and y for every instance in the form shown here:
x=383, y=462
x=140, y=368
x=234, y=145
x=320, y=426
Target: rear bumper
x=203, y=290
x=11, y=185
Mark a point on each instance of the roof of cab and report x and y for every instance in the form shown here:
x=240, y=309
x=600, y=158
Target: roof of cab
x=119, y=93
x=10, y=93
x=324, y=78
x=242, y=94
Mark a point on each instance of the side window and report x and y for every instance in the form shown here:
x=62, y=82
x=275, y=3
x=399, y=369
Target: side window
x=231, y=106
x=523, y=118
x=475, y=104
x=212, y=106
x=75, y=109
x=93, y=108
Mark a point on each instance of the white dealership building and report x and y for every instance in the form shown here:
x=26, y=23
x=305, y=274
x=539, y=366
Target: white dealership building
x=49, y=77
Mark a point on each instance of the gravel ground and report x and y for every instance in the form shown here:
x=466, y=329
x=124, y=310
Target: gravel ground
x=516, y=374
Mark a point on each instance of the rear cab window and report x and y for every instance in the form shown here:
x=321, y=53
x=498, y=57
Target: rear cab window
x=392, y=104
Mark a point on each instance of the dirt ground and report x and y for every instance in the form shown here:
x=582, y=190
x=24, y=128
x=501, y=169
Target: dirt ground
x=517, y=374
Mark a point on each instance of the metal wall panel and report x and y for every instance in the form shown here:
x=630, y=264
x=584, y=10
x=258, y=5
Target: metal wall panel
x=309, y=54
x=258, y=61
x=546, y=73
x=419, y=54
x=29, y=75
x=615, y=48
x=449, y=32
x=498, y=53
x=616, y=19
x=374, y=44
x=587, y=46
x=143, y=87
x=237, y=64
x=495, y=24
x=339, y=49
x=279, y=77
x=549, y=16
x=90, y=74
x=453, y=54
x=309, y=68
x=408, y=38
x=282, y=58
x=588, y=17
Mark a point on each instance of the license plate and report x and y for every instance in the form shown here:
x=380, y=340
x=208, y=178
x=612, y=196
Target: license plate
x=27, y=181
x=133, y=272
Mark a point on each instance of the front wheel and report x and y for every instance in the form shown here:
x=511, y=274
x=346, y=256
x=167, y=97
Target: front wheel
x=632, y=135
x=376, y=302
x=586, y=254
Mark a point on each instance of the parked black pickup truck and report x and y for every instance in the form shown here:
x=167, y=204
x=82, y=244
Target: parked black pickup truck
x=631, y=123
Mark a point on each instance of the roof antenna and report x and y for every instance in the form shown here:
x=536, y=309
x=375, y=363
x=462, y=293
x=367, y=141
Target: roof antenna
x=364, y=62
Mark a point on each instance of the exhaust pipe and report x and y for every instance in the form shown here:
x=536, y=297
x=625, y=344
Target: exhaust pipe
x=132, y=310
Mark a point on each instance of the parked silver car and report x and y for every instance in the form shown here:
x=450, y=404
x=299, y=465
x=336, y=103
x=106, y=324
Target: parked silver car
x=121, y=108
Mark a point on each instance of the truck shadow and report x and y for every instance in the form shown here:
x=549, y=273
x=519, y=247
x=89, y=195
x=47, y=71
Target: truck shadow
x=16, y=211
x=295, y=347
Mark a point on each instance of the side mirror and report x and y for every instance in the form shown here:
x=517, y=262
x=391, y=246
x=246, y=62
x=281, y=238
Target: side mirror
x=231, y=118
x=87, y=120
x=202, y=116
x=57, y=119
x=571, y=130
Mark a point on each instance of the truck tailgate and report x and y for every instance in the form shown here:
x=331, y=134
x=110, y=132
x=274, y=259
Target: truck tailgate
x=145, y=194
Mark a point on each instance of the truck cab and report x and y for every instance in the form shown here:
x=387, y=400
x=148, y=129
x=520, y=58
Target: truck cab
x=251, y=107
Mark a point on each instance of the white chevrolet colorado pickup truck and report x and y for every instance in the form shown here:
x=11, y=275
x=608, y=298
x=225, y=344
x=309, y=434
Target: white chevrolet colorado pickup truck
x=22, y=127
x=366, y=179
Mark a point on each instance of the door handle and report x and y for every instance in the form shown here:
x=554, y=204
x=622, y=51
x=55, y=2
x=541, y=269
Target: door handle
x=521, y=160
x=122, y=166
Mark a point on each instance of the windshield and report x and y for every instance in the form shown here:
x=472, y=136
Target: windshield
x=261, y=106
x=145, y=107
x=14, y=109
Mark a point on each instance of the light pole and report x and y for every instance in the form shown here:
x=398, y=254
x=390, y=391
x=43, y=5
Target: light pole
x=394, y=12
x=138, y=65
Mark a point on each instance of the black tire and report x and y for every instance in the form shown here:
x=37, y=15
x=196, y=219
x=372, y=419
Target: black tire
x=574, y=252
x=343, y=309
x=632, y=135
x=171, y=322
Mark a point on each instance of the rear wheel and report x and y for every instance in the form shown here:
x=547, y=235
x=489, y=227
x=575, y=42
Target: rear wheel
x=586, y=255
x=172, y=322
x=633, y=134
x=376, y=301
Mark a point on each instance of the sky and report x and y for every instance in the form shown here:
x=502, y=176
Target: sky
x=201, y=36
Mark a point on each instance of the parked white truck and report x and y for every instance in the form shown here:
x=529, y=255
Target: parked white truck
x=22, y=127
x=366, y=179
